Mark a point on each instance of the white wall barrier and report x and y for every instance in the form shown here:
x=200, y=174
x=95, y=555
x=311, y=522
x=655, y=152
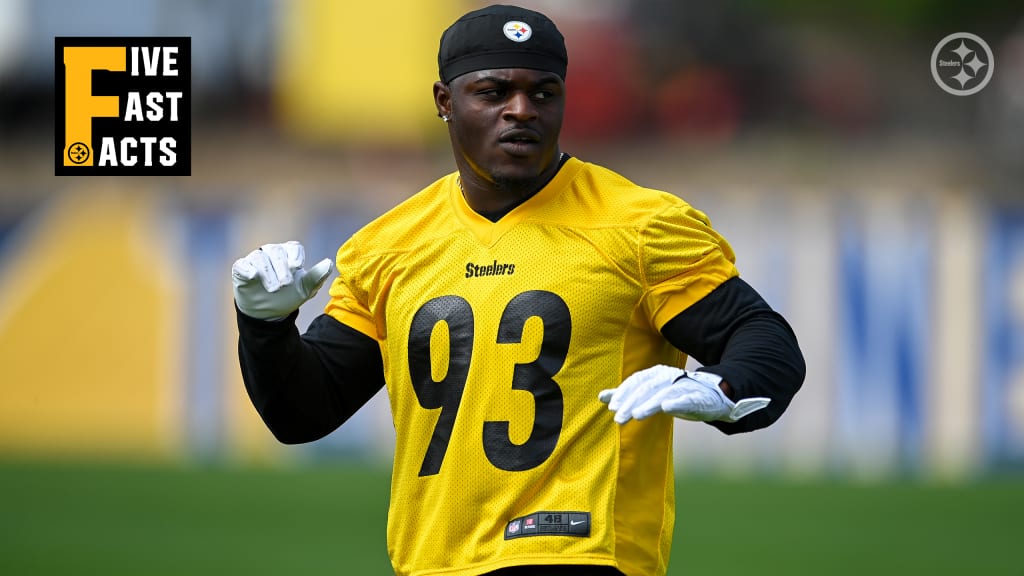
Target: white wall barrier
x=909, y=306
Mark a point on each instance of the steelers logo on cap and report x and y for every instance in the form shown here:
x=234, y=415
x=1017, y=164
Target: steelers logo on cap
x=517, y=31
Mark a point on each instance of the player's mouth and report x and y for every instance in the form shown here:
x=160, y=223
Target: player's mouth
x=520, y=142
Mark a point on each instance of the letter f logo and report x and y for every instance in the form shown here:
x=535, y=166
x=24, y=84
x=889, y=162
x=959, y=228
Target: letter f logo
x=80, y=106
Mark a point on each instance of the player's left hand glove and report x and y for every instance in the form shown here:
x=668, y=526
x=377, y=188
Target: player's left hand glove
x=683, y=394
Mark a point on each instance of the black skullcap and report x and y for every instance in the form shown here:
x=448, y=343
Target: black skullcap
x=501, y=37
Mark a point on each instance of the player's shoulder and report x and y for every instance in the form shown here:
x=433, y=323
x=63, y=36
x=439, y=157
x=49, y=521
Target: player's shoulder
x=612, y=197
x=406, y=224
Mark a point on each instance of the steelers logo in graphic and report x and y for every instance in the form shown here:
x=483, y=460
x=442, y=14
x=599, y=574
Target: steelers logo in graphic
x=517, y=31
x=78, y=152
x=962, y=64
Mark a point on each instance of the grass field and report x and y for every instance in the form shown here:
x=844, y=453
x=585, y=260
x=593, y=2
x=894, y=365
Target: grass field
x=119, y=519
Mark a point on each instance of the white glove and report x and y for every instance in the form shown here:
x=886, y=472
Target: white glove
x=270, y=282
x=686, y=395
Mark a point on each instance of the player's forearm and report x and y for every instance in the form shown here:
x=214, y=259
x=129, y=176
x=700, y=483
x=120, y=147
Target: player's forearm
x=761, y=359
x=305, y=387
x=736, y=335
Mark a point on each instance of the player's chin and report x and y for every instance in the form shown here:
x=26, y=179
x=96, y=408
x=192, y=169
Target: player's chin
x=525, y=161
x=513, y=176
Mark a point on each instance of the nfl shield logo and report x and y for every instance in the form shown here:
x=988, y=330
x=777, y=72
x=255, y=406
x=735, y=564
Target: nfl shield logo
x=513, y=527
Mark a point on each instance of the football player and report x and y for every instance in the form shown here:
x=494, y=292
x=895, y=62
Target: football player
x=530, y=315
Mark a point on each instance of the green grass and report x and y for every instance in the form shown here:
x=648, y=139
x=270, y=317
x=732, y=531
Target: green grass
x=119, y=519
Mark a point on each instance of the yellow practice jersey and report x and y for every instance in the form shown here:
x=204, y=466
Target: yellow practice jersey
x=497, y=338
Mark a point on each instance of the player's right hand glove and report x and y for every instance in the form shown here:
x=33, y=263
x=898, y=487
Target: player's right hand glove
x=677, y=392
x=270, y=282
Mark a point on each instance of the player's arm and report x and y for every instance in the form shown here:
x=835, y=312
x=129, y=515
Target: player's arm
x=752, y=365
x=305, y=386
x=736, y=335
x=302, y=386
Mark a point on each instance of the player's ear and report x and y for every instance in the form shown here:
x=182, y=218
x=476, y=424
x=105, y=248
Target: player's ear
x=442, y=99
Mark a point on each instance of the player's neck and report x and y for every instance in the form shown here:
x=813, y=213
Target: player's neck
x=496, y=197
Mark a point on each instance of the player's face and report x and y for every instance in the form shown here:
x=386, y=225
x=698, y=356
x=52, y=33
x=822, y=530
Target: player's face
x=505, y=125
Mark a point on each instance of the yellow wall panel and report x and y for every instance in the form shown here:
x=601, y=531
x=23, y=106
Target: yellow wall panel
x=90, y=331
x=361, y=72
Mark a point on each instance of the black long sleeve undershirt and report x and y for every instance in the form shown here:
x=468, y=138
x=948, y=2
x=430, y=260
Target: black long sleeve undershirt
x=305, y=386
x=735, y=334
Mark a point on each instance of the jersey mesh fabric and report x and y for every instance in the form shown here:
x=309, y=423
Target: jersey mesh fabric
x=497, y=338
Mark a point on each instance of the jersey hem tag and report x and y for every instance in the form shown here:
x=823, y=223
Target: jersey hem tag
x=563, y=523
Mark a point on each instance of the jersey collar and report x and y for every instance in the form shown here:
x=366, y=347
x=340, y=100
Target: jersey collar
x=489, y=232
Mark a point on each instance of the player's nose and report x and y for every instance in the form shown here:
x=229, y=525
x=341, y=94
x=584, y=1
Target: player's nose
x=520, y=108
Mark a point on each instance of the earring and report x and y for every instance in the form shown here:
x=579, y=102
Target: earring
x=446, y=118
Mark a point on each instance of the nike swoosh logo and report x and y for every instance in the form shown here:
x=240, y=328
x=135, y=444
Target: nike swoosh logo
x=571, y=523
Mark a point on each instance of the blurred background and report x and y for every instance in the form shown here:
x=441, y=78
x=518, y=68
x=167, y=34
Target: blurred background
x=883, y=216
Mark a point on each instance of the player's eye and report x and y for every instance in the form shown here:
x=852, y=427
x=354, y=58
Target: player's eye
x=491, y=93
x=543, y=94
